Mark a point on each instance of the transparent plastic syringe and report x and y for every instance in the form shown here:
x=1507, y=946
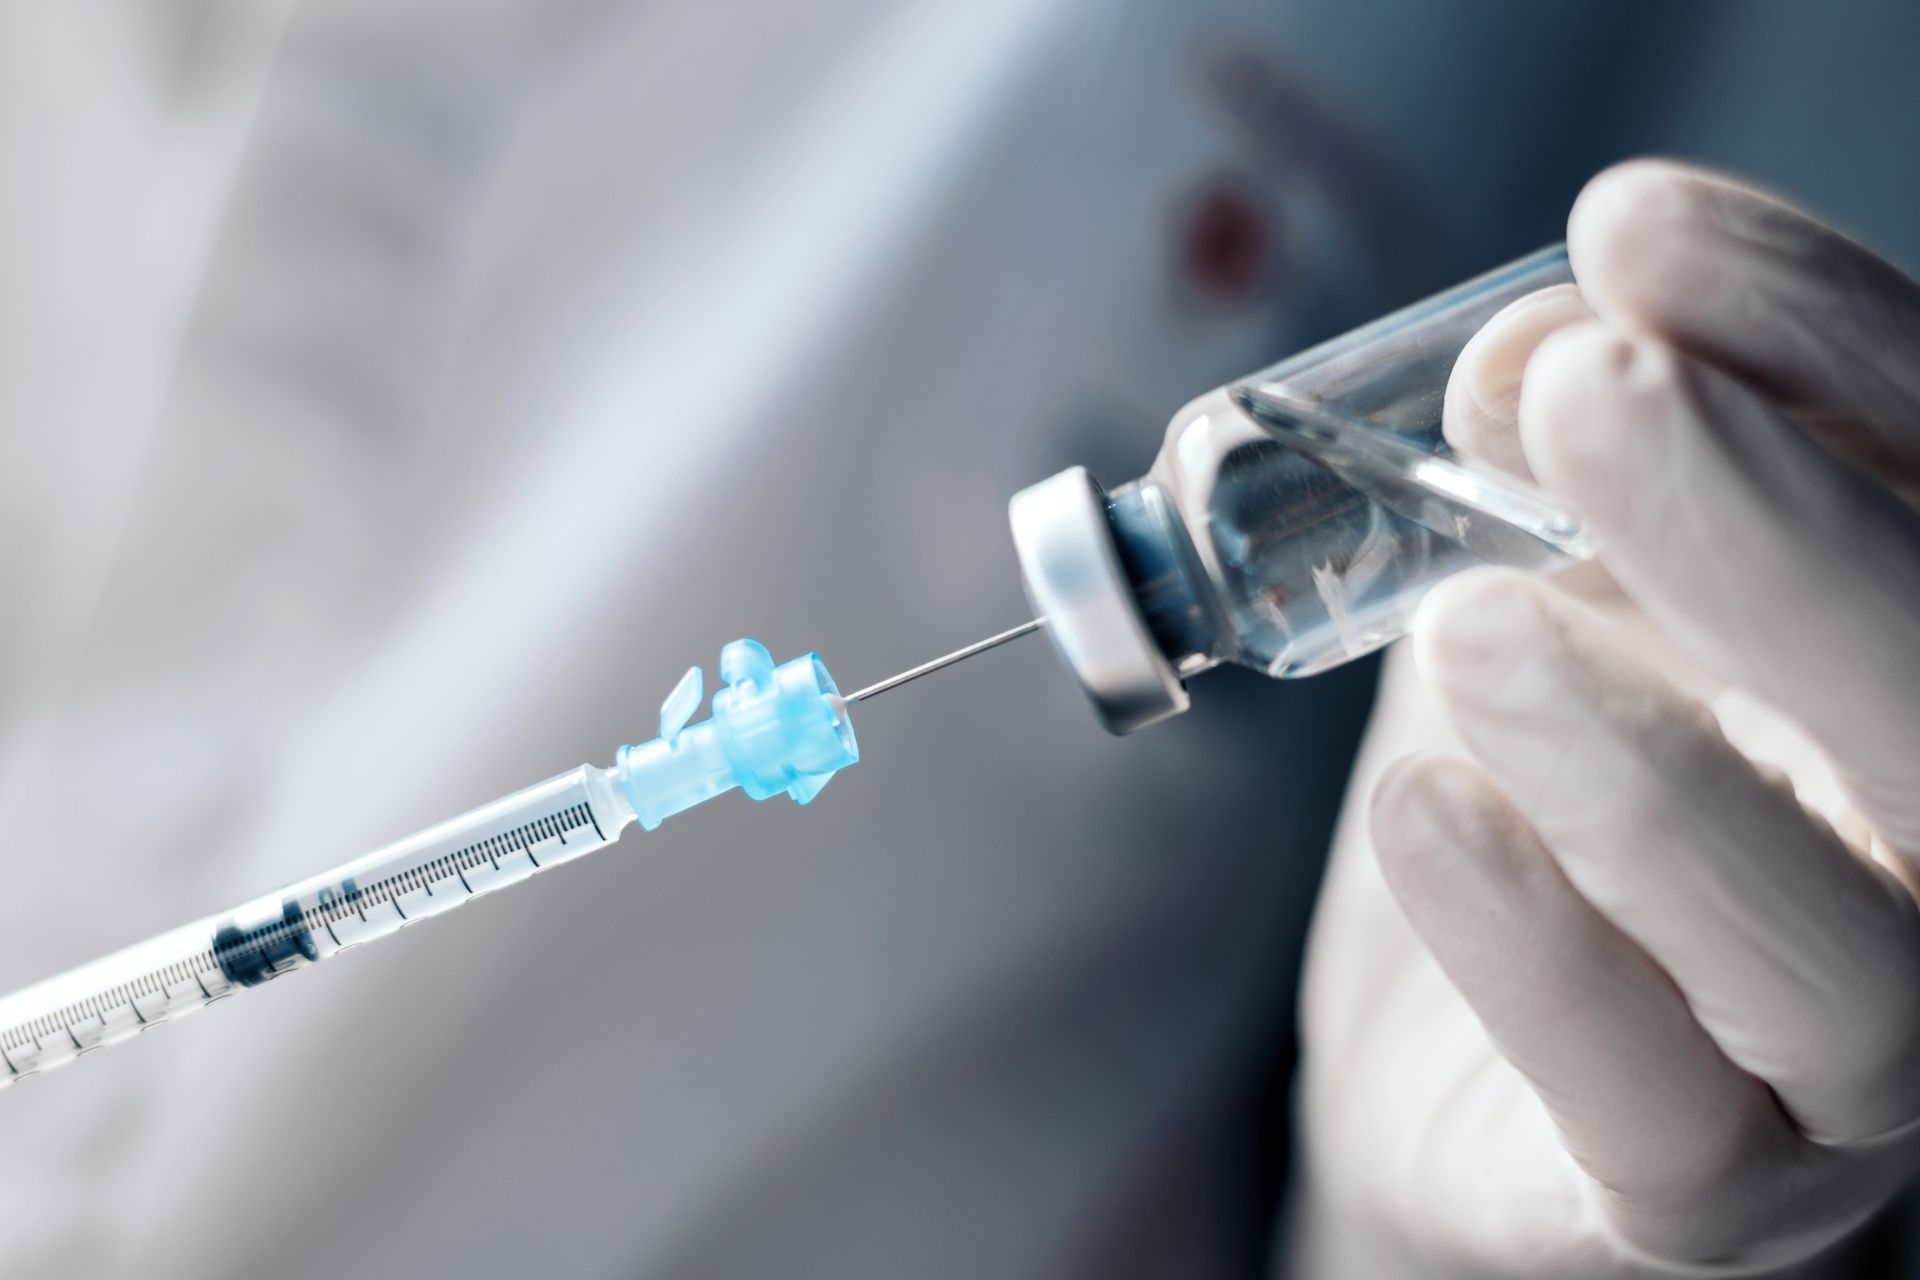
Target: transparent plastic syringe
x=773, y=729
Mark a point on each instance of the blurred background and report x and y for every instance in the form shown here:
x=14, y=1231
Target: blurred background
x=396, y=397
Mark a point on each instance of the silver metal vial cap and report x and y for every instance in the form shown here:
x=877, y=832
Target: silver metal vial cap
x=1071, y=569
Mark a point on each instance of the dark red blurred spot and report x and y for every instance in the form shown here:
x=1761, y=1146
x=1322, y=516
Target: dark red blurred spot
x=1227, y=243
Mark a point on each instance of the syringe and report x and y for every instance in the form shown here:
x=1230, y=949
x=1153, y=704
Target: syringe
x=772, y=730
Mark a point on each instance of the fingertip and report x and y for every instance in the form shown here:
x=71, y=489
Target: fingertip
x=1394, y=802
x=1425, y=808
x=1566, y=402
x=1472, y=630
x=1483, y=390
x=1628, y=232
x=1633, y=194
x=1463, y=865
x=1597, y=413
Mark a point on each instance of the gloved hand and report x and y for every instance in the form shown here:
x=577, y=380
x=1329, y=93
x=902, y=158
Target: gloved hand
x=1605, y=996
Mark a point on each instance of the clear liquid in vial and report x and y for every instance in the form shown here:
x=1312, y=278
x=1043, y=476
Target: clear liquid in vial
x=1328, y=532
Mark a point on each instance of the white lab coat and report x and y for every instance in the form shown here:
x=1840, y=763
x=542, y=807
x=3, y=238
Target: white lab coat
x=394, y=399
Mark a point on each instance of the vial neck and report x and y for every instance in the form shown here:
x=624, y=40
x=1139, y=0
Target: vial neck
x=1164, y=571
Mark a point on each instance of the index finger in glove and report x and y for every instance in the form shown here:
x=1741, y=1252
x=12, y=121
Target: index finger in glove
x=1748, y=283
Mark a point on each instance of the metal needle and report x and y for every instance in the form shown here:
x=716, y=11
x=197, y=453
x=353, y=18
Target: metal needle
x=926, y=668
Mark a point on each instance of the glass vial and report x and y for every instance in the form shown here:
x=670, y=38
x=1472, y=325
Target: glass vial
x=1292, y=521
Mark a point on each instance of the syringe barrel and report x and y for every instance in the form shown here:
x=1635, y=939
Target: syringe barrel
x=185, y=969
x=775, y=729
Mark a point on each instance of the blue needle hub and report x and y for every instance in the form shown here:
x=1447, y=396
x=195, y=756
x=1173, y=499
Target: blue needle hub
x=773, y=729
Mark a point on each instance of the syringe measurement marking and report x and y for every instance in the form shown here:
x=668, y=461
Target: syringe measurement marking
x=326, y=914
x=383, y=891
x=100, y=1003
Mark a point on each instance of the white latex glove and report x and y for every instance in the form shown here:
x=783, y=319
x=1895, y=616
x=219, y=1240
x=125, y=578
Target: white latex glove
x=1622, y=1002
